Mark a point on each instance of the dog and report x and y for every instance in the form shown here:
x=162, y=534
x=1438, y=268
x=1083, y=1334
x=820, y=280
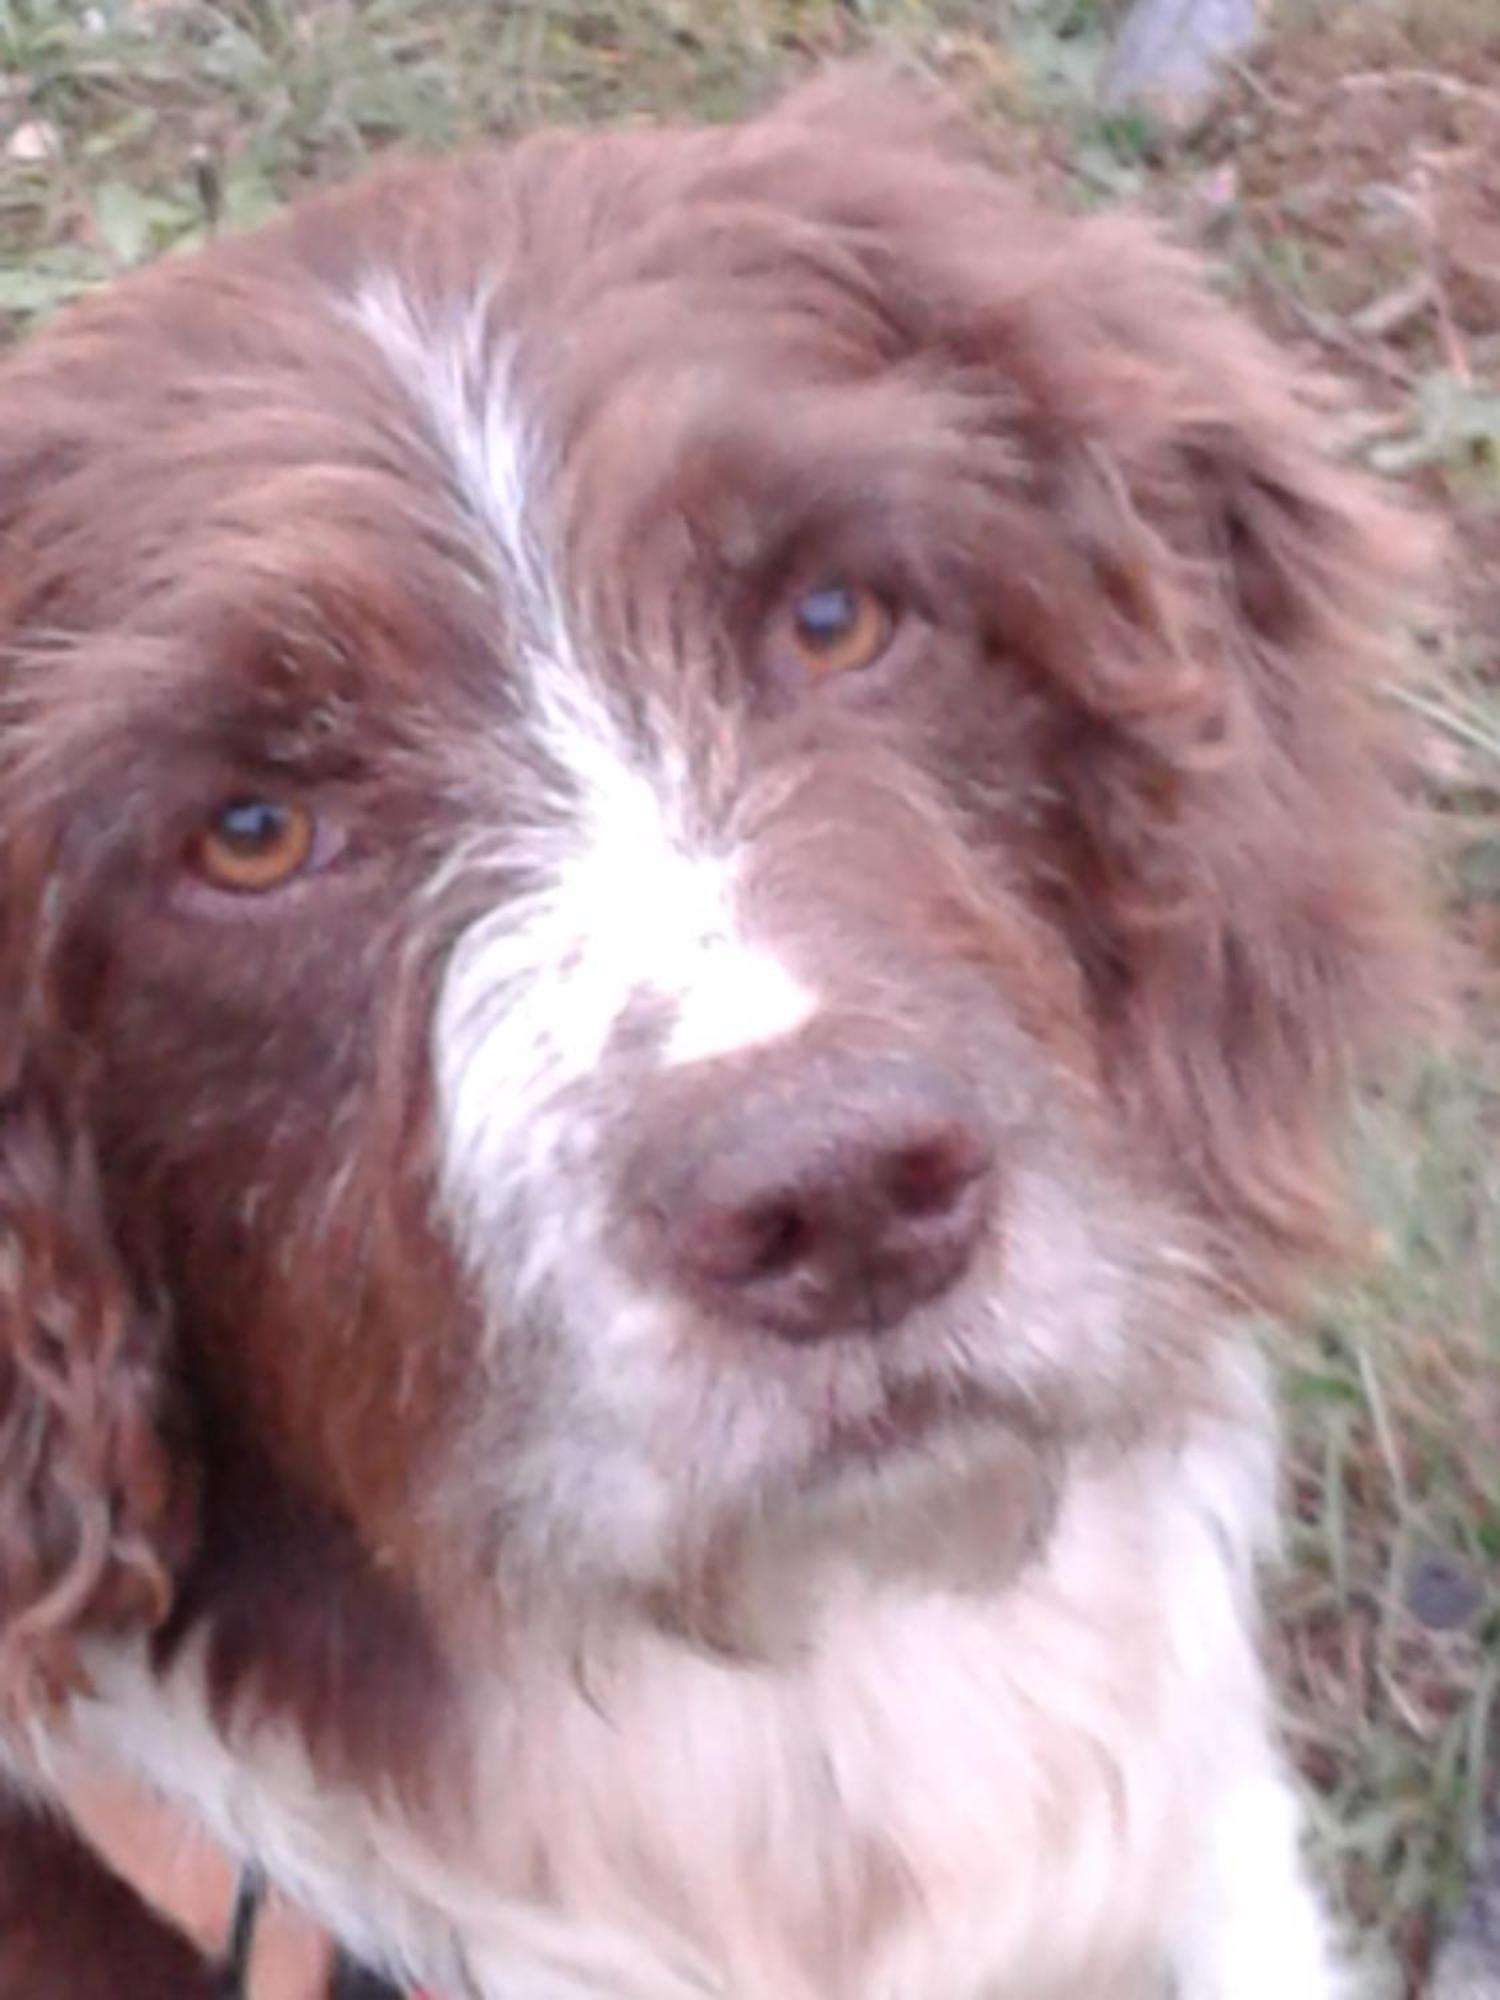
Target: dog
x=696, y=846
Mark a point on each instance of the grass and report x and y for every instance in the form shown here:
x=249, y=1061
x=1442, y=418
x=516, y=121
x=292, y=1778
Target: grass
x=133, y=128
x=150, y=123
x=1390, y=1601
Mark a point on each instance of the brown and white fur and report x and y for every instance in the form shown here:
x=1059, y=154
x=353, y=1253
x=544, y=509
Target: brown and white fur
x=411, y=1459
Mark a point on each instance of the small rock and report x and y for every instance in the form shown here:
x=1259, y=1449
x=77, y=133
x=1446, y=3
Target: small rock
x=1442, y=1593
x=1468, y=1962
x=1170, y=52
x=1465, y=1971
x=32, y=142
x=1212, y=202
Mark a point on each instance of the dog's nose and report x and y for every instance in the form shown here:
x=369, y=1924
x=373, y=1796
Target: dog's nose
x=832, y=1199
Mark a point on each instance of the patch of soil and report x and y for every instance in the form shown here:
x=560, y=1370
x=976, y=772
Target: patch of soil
x=1367, y=161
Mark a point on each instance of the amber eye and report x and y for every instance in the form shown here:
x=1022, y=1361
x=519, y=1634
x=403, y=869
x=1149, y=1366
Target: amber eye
x=252, y=845
x=839, y=628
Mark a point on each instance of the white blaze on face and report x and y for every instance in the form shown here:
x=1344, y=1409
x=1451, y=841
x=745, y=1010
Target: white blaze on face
x=620, y=912
x=624, y=904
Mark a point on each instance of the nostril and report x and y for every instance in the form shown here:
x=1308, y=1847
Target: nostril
x=744, y=1245
x=928, y=1177
x=778, y=1236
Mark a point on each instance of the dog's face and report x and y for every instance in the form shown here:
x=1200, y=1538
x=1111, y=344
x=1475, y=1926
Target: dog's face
x=682, y=815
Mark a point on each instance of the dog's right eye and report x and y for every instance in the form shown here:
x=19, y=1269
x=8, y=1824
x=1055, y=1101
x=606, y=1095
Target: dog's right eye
x=833, y=628
x=253, y=845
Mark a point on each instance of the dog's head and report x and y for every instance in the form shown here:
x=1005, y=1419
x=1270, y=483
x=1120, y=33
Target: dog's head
x=678, y=811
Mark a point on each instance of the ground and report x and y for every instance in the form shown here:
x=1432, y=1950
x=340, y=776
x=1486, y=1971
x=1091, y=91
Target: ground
x=1346, y=185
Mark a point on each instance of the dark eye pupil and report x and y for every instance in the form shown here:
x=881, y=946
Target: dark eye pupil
x=251, y=824
x=826, y=615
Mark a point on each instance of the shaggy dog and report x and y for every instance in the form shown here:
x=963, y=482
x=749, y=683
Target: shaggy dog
x=693, y=845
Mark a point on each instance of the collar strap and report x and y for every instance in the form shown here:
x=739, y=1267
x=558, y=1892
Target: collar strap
x=234, y=1973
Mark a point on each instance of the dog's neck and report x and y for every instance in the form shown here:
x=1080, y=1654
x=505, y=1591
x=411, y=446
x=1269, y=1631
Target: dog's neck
x=793, y=1818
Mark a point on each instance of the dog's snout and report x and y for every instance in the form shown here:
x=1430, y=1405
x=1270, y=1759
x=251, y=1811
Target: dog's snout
x=831, y=1199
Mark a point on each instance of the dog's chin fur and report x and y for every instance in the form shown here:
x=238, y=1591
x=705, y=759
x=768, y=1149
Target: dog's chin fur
x=412, y=1457
x=961, y=1515
x=781, y=1786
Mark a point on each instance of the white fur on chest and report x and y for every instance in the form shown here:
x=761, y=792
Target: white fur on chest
x=947, y=1797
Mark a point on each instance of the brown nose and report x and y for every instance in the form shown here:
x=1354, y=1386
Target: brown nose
x=829, y=1199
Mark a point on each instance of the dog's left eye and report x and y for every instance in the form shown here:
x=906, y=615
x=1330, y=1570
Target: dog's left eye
x=252, y=845
x=837, y=628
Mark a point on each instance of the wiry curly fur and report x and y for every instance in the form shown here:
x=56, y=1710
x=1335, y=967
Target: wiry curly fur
x=369, y=1477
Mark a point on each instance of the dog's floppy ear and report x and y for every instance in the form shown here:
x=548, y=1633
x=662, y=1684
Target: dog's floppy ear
x=94, y=1501
x=1239, y=884
x=92, y=1515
